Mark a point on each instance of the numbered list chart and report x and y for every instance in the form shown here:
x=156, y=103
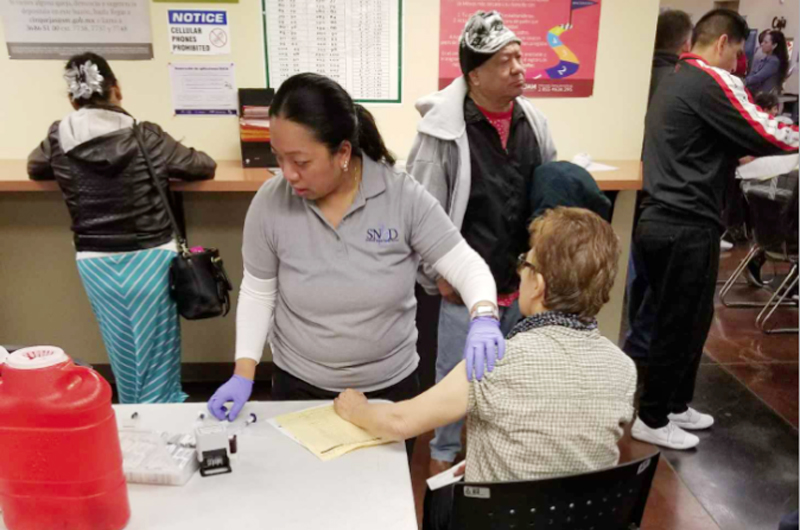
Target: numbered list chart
x=355, y=42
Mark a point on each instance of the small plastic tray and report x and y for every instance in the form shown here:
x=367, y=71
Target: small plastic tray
x=150, y=457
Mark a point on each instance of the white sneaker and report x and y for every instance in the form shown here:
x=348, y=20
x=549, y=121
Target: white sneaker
x=725, y=246
x=670, y=435
x=691, y=420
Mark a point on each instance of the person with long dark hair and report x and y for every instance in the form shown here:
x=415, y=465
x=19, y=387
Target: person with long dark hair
x=122, y=232
x=769, y=73
x=331, y=251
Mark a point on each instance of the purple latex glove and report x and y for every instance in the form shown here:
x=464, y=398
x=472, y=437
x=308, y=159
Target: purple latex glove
x=238, y=390
x=485, y=345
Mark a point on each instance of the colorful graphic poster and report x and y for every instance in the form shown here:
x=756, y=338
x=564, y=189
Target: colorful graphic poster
x=559, y=41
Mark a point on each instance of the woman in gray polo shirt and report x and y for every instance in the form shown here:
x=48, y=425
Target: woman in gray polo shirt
x=331, y=252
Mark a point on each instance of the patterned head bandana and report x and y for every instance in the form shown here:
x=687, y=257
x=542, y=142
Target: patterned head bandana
x=483, y=36
x=83, y=81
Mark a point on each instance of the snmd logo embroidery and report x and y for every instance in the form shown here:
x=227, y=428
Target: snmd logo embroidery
x=382, y=235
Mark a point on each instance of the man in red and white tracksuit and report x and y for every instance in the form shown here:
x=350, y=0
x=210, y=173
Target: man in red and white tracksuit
x=700, y=122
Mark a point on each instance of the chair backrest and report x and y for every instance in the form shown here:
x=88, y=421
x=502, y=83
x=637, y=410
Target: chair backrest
x=609, y=499
x=773, y=212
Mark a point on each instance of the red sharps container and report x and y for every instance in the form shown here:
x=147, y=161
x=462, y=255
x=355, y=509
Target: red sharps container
x=60, y=458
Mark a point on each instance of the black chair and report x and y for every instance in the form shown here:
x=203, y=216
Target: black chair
x=773, y=213
x=610, y=499
x=786, y=252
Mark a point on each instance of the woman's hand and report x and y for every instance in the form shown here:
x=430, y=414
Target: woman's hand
x=237, y=389
x=485, y=346
x=347, y=403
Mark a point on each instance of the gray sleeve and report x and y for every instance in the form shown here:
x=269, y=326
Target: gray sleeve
x=428, y=164
x=258, y=245
x=432, y=233
x=546, y=144
x=769, y=69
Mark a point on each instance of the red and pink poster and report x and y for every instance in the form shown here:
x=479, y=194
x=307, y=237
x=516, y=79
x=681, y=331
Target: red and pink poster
x=559, y=41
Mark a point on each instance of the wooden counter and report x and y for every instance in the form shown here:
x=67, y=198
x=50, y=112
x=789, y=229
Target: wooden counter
x=232, y=177
x=34, y=232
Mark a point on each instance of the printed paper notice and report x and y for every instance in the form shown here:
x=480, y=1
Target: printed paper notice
x=559, y=42
x=59, y=29
x=199, y=32
x=203, y=88
x=324, y=433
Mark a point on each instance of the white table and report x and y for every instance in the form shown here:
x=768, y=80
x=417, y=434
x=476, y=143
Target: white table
x=275, y=483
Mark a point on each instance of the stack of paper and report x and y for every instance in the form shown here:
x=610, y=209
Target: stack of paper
x=767, y=167
x=324, y=433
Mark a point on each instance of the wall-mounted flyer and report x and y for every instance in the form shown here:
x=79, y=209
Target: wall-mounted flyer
x=203, y=88
x=59, y=29
x=198, y=32
x=559, y=42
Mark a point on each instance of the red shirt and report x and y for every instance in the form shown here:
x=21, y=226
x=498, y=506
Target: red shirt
x=741, y=65
x=500, y=121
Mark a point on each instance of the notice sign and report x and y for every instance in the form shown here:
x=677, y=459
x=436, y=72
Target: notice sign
x=204, y=88
x=58, y=29
x=559, y=42
x=199, y=32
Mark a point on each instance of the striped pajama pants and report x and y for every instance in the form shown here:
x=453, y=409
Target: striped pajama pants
x=138, y=319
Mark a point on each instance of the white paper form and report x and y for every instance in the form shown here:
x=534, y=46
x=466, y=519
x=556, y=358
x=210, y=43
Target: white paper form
x=203, y=88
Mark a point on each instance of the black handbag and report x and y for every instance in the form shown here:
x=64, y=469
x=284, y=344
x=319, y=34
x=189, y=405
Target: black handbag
x=198, y=281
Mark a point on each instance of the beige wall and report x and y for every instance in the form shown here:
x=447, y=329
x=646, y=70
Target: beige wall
x=608, y=125
x=41, y=298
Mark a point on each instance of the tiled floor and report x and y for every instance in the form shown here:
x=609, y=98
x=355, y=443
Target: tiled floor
x=744, y=474
x=766, y=364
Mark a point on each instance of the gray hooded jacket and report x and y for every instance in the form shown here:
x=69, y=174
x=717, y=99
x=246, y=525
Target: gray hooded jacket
x=440, y=158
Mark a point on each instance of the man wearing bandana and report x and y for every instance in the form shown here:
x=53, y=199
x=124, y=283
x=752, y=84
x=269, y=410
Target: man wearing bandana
x=477, y=146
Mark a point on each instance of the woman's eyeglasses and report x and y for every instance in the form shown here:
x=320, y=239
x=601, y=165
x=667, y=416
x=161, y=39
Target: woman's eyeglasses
x=522, y=263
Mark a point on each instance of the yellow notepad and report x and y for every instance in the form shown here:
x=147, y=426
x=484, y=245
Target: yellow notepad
x=324, y=433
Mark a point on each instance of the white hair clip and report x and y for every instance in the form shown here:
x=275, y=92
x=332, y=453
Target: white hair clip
x=83, y=81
